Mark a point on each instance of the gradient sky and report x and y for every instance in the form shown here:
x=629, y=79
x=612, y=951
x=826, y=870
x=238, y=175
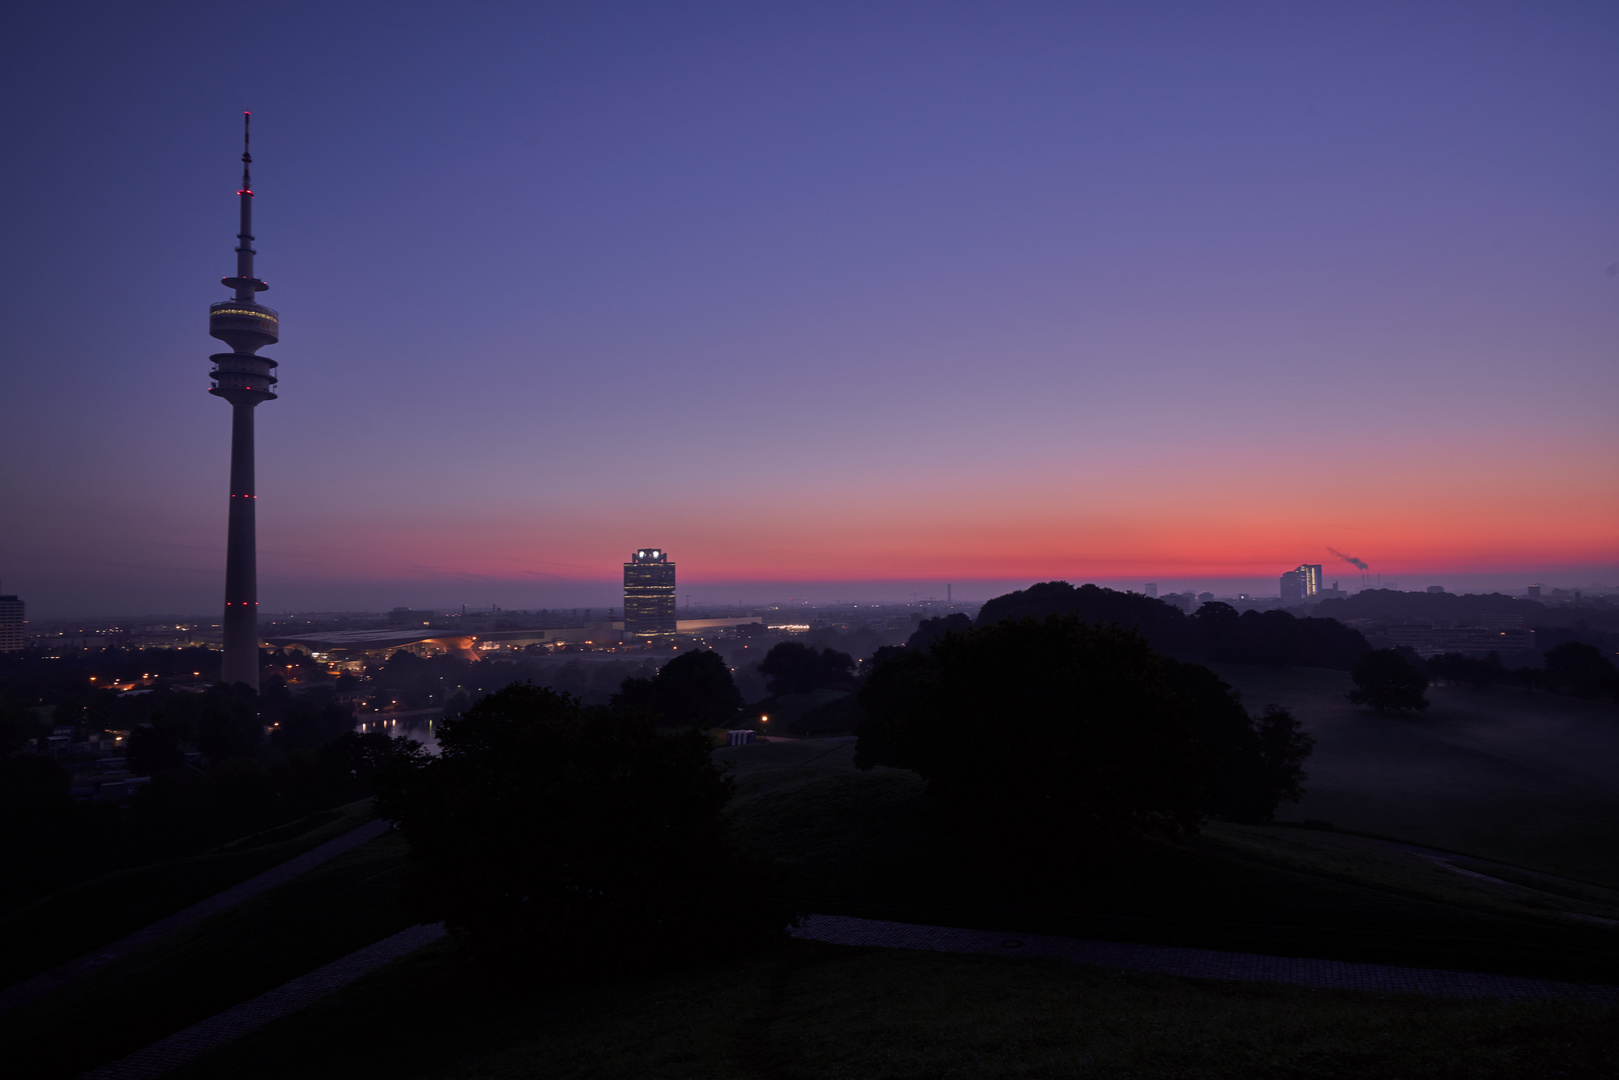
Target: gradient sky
x=833, y=300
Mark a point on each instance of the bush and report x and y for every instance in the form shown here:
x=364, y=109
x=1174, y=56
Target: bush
x=548, y=834
x=1389, y=682
x=1055, y=732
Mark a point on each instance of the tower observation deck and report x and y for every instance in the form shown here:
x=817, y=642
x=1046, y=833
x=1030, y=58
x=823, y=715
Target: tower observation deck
x=244, y=379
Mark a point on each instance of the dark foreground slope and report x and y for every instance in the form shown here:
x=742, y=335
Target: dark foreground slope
x=865, y=843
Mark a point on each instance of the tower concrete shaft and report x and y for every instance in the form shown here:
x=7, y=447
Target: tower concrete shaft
x=243, y=379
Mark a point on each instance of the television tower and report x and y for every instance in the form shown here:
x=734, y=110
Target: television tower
x=244, y=380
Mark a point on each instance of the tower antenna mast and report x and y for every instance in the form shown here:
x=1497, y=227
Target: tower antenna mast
x=244, y=379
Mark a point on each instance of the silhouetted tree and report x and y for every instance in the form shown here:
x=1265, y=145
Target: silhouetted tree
x=694, y=688
x=152, y=749
x=48, y=838
x=1042, y=731
x=18, y=725
x=229, y=725
x=1580, y=669
x=792, y=667
x=311, y=720
x=1388, y=682
x=547, y=834
x=1164, y=626
x=930, y=630
x=1254, y=765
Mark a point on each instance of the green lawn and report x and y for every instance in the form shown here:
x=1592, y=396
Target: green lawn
x=866, y=844
x=1529, y=779
x=815, y=1011
x=69, y=924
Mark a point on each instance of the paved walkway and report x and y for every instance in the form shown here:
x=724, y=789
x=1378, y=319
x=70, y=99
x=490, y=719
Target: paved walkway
x=73, y=970
x=1197, y=963
x=216, y=1031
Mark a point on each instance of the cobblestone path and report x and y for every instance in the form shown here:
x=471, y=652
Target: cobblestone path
x=73, y=970
x=216, y=1031
x=1196, y=963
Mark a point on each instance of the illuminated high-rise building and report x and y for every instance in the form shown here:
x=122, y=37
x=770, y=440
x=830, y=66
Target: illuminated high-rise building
x=244, y=380
x=1304, y=583
x=12, y=624
x=649, y=593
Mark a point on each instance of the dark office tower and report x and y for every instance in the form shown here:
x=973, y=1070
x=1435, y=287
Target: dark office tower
x=649, y=593
x=244, y=380
x=1303, y=583
x=12, y=624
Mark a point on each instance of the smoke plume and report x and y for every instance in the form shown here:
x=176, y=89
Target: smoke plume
x=1350, y=559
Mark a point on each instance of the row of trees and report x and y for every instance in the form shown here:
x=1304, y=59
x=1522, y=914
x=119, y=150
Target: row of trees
x=1397, y=680
x=1216, y=631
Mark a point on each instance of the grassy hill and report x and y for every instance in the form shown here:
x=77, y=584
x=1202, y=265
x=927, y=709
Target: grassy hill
x=1523, y=780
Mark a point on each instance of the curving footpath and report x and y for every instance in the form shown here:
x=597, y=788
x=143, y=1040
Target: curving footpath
x=1198, y=963
x=24, y=992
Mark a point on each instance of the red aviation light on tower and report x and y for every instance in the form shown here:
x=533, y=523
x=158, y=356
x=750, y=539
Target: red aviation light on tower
x=244, y=379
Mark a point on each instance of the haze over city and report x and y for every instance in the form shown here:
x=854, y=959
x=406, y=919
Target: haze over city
x=833, y=300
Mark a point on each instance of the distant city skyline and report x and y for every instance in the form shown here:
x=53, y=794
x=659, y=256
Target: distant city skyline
x=837, y=299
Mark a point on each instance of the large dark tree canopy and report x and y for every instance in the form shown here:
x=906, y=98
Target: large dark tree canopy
x=1055, y=730
x=694, y=688
x=560, y=835
x=1163, y=626
x=1580, y=669
x=792, y=667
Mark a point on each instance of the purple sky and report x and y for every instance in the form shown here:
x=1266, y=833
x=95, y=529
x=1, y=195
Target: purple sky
x=829, y=300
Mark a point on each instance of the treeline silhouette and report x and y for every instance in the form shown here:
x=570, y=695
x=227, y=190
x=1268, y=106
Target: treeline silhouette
x=1215, y=632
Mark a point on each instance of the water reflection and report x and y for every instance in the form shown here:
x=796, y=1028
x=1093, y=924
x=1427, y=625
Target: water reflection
x=421, y=725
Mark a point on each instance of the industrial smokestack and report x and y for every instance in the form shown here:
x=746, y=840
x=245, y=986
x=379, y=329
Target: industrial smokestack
x=1350, y=559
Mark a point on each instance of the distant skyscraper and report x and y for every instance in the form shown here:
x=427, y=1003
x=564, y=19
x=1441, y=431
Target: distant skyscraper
x=244, y=380
x=1534, y=591
x=11, y=624
x=1303, y=583
x=649, y=593
x=1152, y=589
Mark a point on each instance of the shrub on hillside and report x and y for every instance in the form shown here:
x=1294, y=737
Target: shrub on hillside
x=550, y=834
x=1388, y=681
